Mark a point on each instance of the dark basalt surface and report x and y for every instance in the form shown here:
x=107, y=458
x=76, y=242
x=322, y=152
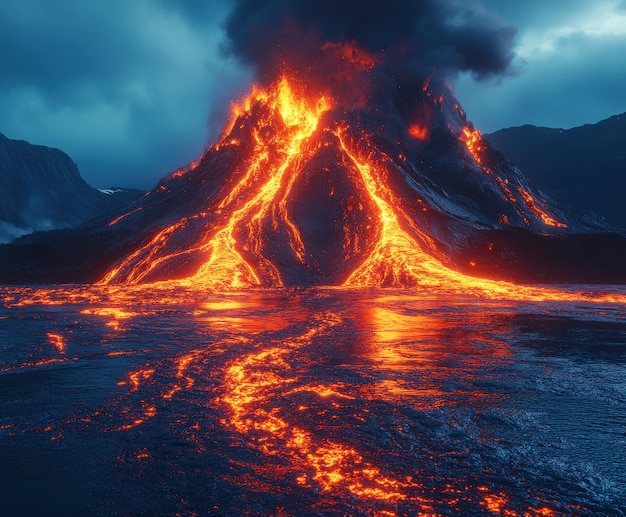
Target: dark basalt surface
x=583, y=167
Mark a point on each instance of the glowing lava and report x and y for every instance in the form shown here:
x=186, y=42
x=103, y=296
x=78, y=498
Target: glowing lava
x=419, y=131
x=250, y=234
x=250, y=383
x=260, y=193
x=226, y=266
x=476, y=146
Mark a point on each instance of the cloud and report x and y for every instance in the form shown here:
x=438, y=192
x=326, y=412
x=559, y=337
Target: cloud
x=420, y=34
x=369, y=54
x=569, y=62
x=126, y=88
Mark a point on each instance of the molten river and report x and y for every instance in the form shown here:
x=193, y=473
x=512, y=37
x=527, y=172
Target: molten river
x=158, y=400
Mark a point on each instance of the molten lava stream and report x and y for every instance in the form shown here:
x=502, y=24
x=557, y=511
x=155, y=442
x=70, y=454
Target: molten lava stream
x=398, y=260
x=279, y=123
x=475, y=145
x=252, y=382
x=226, y=266
x=260, y=193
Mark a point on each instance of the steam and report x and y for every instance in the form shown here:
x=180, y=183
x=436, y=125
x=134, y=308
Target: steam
x=404, y=41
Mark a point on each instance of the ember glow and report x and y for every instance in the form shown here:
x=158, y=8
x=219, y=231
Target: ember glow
x=474, y=141
x=419, y=131
x=58, y=341
x=476, y=146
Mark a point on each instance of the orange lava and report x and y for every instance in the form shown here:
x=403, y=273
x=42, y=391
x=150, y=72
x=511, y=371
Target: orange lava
x=476, y=146
x=235, y=254
x=184, y=170
x=542, y=214
x=226, y=267
x=418, y=131
x=266, y=401
x=328, y=465
x=58, y=341
x=124, y=216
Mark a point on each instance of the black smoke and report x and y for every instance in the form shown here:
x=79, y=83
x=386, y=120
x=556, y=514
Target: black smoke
x=411, y=38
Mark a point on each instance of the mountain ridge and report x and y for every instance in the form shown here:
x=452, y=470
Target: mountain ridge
x=583, y=167
x=41, y=189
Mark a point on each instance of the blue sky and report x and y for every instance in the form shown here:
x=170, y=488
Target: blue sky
x=134, y=90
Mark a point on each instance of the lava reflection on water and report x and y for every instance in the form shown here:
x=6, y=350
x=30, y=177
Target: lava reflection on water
x=363, y=402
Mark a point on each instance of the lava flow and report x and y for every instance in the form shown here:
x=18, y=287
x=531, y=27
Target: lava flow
x=300, y=191
x=260, y=194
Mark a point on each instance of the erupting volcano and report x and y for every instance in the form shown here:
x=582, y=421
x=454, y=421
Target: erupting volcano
x=303, y=189
x=237, y=353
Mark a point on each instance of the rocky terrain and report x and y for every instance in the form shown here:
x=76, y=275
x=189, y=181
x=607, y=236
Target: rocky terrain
x=583, y=167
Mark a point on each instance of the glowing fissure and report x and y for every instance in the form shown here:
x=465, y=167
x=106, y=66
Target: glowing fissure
x=542, y=214
x=146, y=258
x=124, y=216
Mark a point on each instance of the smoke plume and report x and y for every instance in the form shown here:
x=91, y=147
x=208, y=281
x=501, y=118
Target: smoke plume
x=395, y=42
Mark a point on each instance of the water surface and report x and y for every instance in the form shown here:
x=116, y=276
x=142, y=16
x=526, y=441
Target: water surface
x=150, y=401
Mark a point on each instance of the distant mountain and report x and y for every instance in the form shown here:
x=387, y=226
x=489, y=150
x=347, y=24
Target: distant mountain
x=41, y=189
x=583, y=167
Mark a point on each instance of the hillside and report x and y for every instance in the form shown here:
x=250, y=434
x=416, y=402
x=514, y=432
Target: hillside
x=41, y=189
x=583, y=167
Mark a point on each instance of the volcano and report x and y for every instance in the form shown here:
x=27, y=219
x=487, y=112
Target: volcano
x=301, y=190
x=350, y=163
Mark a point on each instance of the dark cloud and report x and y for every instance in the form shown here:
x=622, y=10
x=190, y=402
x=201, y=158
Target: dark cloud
x=536, y=14
x=570, y=66
x=555, y=90
x=126, y=88
x=424, y=35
